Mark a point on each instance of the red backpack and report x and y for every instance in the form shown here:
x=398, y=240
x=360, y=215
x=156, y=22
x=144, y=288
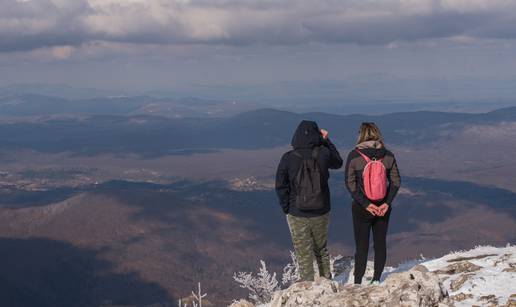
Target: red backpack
x=375, y=178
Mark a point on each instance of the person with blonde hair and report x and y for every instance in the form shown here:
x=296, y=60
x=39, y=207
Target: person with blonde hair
x=373, y=180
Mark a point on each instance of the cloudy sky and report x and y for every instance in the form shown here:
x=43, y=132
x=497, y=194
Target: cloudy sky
x=163, y=44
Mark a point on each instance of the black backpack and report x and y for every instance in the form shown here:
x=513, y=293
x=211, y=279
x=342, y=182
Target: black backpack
x=308, y=183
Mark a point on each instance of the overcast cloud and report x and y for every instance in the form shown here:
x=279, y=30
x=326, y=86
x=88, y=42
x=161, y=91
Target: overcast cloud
x=31, y=24
x=165, y=44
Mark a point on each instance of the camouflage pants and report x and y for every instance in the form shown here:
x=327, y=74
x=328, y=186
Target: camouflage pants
x=310, y=236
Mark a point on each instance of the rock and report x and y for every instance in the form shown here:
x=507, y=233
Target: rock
x=304, y=293
x=461, y=297
x=457, y=283
x=412, y=288
x=511, y=302
x=459, y=267
x=471, y=258
x=511, y=268
x=420, y=268
x=491, y=299
x=242, y=303
x=502, y=259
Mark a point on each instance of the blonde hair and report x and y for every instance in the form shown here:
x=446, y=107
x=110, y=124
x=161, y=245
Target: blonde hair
x=370, y=132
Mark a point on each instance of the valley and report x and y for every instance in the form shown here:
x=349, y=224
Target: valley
x=144, y=225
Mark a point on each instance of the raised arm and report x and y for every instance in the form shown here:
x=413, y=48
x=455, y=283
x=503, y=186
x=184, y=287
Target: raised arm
x=335, y=161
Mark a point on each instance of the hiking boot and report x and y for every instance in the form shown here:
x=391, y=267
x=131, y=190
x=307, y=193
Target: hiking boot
x=374, y=283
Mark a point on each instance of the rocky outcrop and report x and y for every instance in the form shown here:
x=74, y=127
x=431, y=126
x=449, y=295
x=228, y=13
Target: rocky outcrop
x=416, y=287
x=483, y=276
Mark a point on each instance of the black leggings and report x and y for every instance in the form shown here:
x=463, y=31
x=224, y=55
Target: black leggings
x=363, y=222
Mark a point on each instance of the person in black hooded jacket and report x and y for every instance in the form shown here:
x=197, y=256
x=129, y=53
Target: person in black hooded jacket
x=308, y=228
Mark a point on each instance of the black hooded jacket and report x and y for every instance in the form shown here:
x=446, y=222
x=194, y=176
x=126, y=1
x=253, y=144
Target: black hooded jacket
x=306, y=137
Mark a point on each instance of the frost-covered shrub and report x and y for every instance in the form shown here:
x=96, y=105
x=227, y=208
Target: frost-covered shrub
x=261, y=287
x=332, y=263
x=290, y=271
x=197, y=298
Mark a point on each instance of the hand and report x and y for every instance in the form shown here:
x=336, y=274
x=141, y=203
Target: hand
x=383, y=209
x=324, y=134
x=373, y=209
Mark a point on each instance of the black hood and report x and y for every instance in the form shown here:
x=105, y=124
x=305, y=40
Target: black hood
x=377, y=153
x=307, y=135
x=372, y=149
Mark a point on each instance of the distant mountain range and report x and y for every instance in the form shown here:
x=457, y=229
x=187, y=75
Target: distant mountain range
x=264, y=128
x=33, y=105
x=370, y=94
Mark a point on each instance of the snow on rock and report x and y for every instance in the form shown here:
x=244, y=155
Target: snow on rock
x=483, y=276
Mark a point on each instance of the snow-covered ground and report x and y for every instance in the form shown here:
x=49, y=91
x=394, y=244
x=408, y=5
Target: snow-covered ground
x=483, y=276
x=346, y=278
x=490, y=280
x=493, y=280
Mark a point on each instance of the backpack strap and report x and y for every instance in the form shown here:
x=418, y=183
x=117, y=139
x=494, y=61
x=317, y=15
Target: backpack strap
x=297, y=154
x=366, y=158
x=315, y=152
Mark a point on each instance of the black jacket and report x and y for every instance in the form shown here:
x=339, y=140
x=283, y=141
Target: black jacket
x=306, y=137
x=354, y=180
